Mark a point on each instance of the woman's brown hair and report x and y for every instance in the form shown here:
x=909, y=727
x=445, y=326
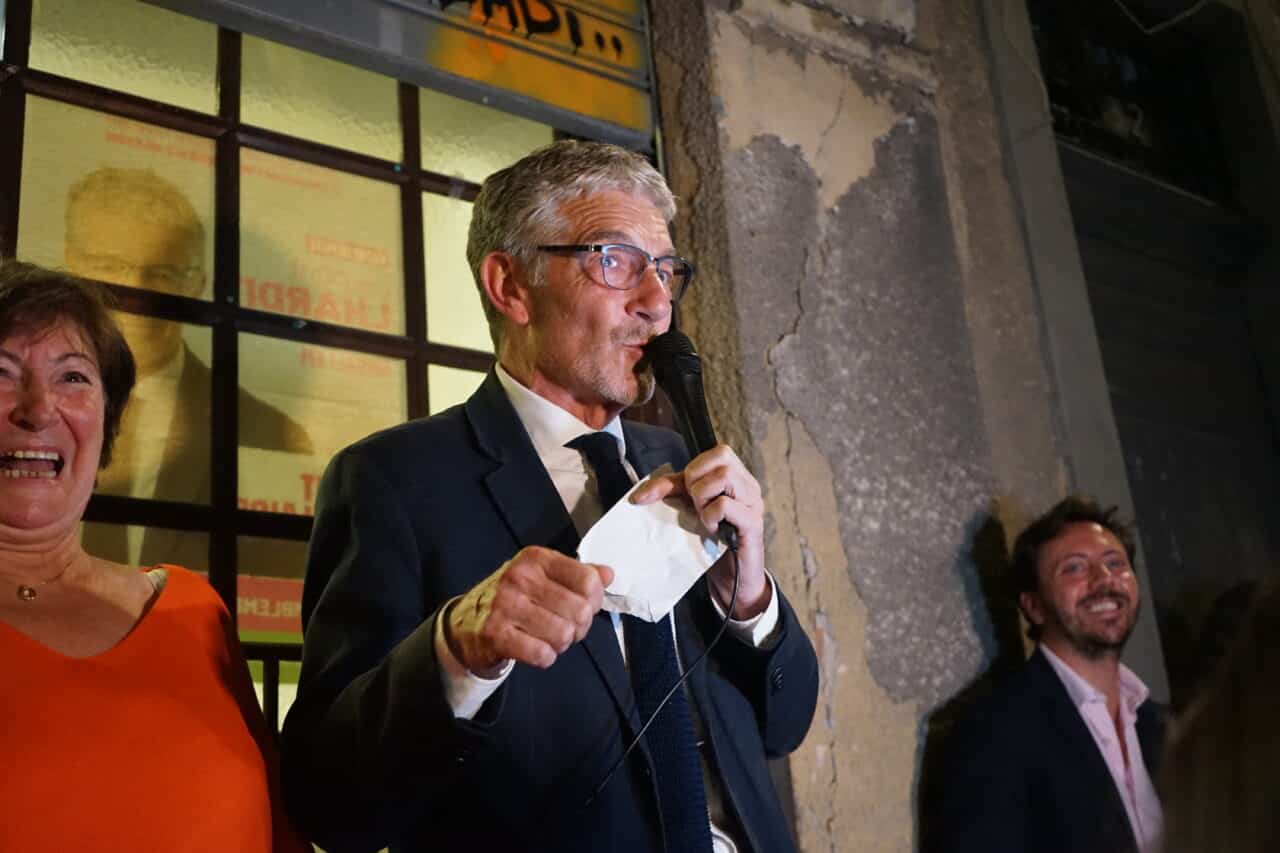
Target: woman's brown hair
x=34, y=299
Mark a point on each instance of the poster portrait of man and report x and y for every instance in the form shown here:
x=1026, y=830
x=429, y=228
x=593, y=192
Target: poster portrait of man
x=130, y=203
x=134, y=228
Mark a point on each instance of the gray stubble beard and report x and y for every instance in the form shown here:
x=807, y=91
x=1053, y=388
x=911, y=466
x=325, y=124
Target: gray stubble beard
x=645, y=386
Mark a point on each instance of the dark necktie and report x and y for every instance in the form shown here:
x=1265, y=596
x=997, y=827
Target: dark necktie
x=651, y=658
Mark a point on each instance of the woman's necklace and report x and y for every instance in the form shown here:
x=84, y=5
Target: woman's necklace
x=30, y=592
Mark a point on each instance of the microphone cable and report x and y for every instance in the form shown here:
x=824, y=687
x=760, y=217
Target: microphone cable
x=684, y=676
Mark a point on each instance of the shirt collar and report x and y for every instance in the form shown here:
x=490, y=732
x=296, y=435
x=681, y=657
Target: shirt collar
x=1132, y=691
x=549, y=426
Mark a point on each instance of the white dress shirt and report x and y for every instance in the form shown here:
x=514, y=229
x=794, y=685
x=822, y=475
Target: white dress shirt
x=1132, y=780
x=550, y=428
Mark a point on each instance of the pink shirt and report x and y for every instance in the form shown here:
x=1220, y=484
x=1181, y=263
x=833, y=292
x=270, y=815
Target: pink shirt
x=1132, y=782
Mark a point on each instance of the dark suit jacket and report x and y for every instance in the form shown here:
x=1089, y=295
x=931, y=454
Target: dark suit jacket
x=1024, y=775
x=415, y=515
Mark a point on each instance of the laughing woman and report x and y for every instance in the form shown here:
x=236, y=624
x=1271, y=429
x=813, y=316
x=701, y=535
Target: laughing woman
x=128, y=720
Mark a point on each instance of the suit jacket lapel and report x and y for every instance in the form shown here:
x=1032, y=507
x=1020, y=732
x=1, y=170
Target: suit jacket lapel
x=1078, y=746
x=528, y=502
x=519, y=485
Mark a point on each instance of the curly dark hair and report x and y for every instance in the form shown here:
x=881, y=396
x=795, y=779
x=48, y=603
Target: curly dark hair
x=1073, y=509
x=33, y=298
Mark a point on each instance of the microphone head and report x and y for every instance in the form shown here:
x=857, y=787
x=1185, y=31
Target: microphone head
x=669, y=348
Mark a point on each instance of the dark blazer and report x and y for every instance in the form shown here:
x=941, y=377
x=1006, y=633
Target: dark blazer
x=1023, y=773
x=407, y=519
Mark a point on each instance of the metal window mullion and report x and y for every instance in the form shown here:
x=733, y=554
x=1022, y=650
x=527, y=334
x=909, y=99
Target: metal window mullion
x=271, y=694
x=273, y=525
x=433, y=182
x=224, y=426
x=17, y=50
x=319, y=154
x=415, y=276
x=149, y=512
x=166, y=306
x=100, y=99
x=355, y=339
x=12, y=128
x=451, y=356
x=17, y=33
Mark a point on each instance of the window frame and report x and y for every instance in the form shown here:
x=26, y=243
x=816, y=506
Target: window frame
x=222, y=519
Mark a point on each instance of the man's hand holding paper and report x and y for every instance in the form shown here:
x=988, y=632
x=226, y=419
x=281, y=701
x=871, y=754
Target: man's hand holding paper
x=715, y=486
x=657, y=550
x=722, y=489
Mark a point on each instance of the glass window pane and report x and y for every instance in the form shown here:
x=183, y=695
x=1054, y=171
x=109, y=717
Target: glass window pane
x=299, y=405
x=305, y=95
x=454, y=312
x=288, y=680
x=269, y=588
x=320, y=244
x=146, y=546
x=128, y=46
x=269, y=604
x=162, y=450
x=469, y=141
x=448, y=386
x=116, y=200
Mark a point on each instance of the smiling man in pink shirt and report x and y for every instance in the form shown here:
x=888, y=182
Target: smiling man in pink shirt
x=1059, y=758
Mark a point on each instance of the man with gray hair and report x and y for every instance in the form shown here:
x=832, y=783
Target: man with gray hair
x=461, y=687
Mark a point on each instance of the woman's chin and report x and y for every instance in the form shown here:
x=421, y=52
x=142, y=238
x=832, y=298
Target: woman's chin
x=33, y=508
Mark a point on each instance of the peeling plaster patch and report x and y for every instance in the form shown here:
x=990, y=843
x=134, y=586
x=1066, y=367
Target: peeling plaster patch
x=879, y=371
x=807, y=101
x=815, y=26
x=772, y=219
x=854, y=773
x=852, y=320
x=898, y=14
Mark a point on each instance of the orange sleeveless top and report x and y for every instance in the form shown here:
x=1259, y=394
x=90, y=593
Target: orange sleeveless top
x=152, y=745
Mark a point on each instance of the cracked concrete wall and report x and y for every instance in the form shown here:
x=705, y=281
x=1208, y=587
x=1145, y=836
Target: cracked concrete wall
x=872, y=348
x=896, y=15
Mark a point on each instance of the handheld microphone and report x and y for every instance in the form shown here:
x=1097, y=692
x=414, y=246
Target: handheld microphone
x=678, y=370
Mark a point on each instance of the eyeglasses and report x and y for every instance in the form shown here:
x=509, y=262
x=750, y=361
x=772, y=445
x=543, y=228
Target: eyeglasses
x=622, y=267
x=163, y=277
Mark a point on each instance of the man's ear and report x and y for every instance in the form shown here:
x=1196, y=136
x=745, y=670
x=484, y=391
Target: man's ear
x=506, y=288
x=1032, y=607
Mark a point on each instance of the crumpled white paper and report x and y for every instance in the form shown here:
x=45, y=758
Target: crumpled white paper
x=657, y=552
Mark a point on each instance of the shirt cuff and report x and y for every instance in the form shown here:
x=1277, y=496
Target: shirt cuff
x=759, y=630
x=465, y=691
